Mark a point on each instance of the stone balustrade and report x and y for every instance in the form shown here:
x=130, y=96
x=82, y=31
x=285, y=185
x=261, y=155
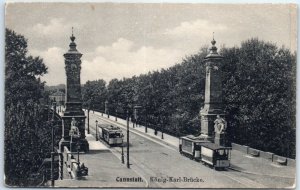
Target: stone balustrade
x=265, y=155
x=71, y=164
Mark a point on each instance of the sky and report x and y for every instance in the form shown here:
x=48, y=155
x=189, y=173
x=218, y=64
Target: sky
x=122, y=40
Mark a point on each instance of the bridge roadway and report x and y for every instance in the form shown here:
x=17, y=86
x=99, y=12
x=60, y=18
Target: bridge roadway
x=156, y=162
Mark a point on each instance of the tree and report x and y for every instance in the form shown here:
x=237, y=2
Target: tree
x=23, y=112
x=259, y=95
x=94, y=94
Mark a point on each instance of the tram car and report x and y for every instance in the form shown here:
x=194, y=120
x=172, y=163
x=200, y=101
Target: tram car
x=205, y=151
x=190, y=146
x=112, y=135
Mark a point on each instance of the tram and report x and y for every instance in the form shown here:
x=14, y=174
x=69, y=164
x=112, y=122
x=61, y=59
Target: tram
x=190, y=146
x=112, y=135
x=205, y=151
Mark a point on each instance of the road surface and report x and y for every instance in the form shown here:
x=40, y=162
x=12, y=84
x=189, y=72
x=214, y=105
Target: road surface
x=161, y=165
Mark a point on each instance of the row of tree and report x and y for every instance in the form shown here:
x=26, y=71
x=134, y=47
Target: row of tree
x=258, y=92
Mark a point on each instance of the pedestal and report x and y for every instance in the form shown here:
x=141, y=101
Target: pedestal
x=220, y=139
x=80, y=120
x=83, y=143
x=65, y=141
x=208, y=117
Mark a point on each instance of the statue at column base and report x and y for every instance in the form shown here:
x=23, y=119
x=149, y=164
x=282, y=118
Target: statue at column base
x=220, y=134
x=74, y=139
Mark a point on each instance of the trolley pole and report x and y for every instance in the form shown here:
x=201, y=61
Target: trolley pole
x=52, y=148
x=128, y=165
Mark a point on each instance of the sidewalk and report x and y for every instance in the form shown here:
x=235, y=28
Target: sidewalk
x=168, y=139
x=105, y=169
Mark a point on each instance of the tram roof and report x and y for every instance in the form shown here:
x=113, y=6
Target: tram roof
x=194, y=138
x=214, y=146
x=110, y=127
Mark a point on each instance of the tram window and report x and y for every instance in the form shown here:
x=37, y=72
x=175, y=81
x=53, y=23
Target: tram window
x=187, y=143
x=114, y=135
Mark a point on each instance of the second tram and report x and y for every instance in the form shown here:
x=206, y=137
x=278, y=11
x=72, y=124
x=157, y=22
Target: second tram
x=112, y=135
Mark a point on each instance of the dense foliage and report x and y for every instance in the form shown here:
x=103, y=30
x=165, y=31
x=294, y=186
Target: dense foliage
x=258, y=92
x=260, y=96
x=27, y=132
x=93, y=94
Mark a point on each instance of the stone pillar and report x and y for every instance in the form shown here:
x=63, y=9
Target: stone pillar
x=213, y=105
x=73, y=98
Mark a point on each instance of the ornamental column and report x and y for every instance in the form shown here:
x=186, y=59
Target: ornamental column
x=213, y=104
x=73, y=98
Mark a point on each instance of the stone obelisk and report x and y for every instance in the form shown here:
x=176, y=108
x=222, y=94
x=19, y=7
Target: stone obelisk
x=73, y=98
x=213, y=104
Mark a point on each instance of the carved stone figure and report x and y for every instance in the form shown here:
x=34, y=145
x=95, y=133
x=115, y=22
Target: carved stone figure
x=220, y=125
x=74, y=131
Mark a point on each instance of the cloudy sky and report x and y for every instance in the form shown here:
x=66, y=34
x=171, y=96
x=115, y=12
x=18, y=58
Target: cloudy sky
x=122, y=40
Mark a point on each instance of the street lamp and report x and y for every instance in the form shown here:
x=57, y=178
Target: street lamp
x=155, y=126
x=128, y=165
x=105, y=106
x=116, y=114
x=96, y=130
x=52, y=151
x=122, y=153
x=89, y=105
x=136, y=114
x=78, y=148
x=162, y=128
x=146, y=124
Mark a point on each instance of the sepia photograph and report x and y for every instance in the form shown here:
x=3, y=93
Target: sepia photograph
x=150, y=95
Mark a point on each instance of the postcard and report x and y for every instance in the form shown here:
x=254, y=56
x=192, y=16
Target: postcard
x=150, y=95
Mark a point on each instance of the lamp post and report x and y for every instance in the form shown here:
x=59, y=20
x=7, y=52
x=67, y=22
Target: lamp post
x=88, y=114
x=128, y=165
x=52, y=148
x=122, y=153
x=162, y=128
x=78, y=148
x=146, y=124
x=96, y=130
x=116, y=114
x=105, y=108
x=136, y=108
x=155, y=126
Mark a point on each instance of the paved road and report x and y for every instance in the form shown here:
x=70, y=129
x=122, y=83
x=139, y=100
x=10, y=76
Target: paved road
x=162, y=166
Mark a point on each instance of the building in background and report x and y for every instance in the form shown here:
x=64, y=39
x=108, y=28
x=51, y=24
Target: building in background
x=59, y=97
